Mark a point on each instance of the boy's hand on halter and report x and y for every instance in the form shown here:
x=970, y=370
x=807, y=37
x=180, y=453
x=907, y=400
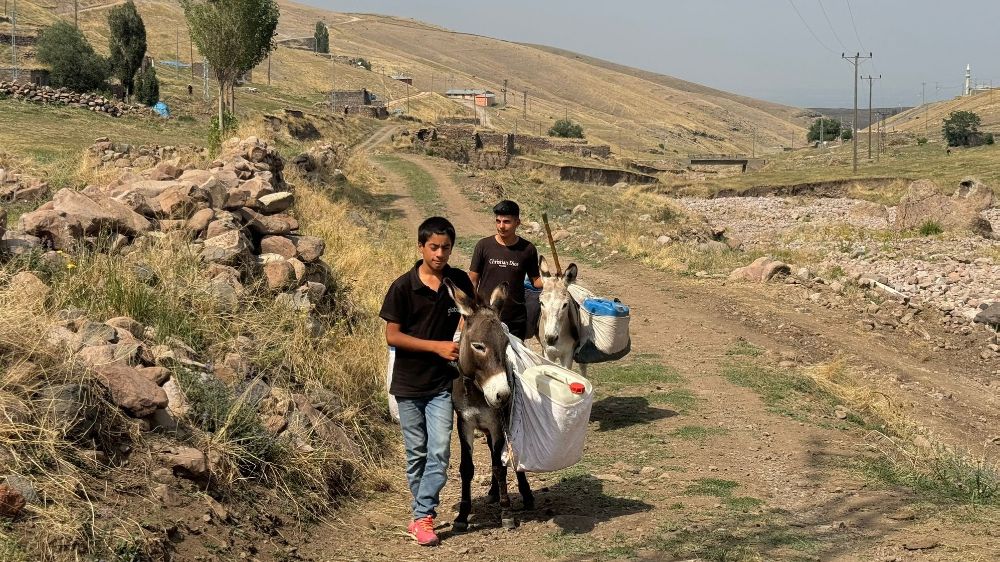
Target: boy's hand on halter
x=447, y=350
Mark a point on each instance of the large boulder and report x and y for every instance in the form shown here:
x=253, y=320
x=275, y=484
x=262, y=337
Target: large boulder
x=130, y=390
x=924, y=202
x=229, y=248
x=762, y=270
x=51, y=227
x=265, y=225
x=989, y=316
x=99, y=214
x=308, y=248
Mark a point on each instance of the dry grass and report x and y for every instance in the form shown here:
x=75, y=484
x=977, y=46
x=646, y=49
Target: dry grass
x=909, y=454
x=160, y=284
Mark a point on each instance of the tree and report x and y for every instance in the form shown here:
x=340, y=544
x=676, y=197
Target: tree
x=846, y=135
x=322, y=37
x=829, y=127
x=961, y=128
x=72, y=61
x=567, y=129
x=147, y=87
x=127, y=43
x=234, y=36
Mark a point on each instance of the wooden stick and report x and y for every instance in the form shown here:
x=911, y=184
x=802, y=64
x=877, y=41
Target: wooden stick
x=552, y=243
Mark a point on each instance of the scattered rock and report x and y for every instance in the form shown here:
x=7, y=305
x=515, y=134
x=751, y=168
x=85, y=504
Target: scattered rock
x=11, y=501
x=762, y=270
x=187, y=462
x=130, y=390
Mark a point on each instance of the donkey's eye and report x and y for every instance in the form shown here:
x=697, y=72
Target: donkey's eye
x=564, y=304
x=479, y=347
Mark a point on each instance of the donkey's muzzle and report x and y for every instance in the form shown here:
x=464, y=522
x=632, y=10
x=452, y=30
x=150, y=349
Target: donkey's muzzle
x=496, y=390
x=551, y=340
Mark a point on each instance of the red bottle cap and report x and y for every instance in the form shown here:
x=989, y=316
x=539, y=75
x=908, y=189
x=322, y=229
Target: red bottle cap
x=577, y=388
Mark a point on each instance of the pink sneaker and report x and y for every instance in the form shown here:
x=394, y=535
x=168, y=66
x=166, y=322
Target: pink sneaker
x=423, y=531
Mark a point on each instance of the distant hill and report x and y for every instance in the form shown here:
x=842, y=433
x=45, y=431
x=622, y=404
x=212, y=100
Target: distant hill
x=634, y=110
x=927, y=119
x=846, y=114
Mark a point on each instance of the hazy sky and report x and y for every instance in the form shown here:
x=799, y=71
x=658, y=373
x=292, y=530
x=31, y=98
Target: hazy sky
x=760, y=48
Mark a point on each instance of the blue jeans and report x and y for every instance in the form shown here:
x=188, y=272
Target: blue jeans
x=426, y=424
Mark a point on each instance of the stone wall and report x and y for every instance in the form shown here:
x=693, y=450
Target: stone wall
x=585, y=174
x=62, y=96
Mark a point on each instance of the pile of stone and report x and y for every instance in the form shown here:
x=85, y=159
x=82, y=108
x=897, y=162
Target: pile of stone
x=123, y=155
x=962, y=210
x=16, y=188
x=233, y=214
x=63, y=96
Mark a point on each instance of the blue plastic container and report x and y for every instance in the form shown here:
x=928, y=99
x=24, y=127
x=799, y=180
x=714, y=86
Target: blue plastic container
x=529, y=286
x=605, y=307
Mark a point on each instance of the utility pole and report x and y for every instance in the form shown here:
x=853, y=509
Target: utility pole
x=407, y=98
x=505, y=92
x=191, y=56
x=177, y=49
x=268, y=69
x=923, y=102
x=525, y=104
x=13, y=40
x=854, y=131
x=869, y=78
x=822, y=132
x=753, y=144
x=76, y=13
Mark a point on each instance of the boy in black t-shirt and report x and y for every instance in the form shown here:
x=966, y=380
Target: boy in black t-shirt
x=421, y=319
x=505, y=256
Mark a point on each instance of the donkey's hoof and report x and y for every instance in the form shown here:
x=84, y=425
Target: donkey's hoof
x=528, y=504
x=508, y=522
x=493, y=498
x=460, y=526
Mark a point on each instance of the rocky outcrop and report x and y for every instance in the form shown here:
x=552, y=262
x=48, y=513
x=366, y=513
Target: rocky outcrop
x=925, y=203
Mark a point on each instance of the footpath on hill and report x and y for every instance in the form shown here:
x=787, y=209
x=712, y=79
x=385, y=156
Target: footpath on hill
x=701, y=447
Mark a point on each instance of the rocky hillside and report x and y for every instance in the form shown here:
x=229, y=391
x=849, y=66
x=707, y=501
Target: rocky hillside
x=180, y=359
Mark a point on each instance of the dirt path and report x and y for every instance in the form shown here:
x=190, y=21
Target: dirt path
x=681, y=463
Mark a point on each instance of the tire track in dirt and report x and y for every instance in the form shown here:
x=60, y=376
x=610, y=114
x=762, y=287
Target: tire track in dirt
x=792, y=466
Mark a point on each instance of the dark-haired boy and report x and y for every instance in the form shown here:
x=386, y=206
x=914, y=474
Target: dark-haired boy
x=505, y=256
x=421, y=319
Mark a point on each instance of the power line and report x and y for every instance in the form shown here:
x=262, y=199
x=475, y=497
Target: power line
x=809, y=29
x=830, y=25
x=855, y=26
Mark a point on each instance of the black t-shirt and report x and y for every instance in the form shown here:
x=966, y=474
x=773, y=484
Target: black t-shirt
x=496, y=263
x=427, y=315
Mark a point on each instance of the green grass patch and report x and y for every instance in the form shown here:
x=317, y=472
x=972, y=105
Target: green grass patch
x=681, y=398
x=783, y=392
x=697, y=432
x=744, y=503
x=945, y=477
x=637, y=373
x=422, y=186
x=930, y=228
x=744, y=348
x=712, y=487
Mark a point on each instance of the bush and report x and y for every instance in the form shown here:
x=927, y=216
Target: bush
x=961, y=128
x=147, y=87
x=989, y=138
x=361, y=62
x=829, y=127
x=846, y=135
x=72, y=60
x=215, y=135
x=566, y=129
x=921, y=141
x=930, y=228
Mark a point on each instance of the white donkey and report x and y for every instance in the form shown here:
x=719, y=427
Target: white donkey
x=559, y=321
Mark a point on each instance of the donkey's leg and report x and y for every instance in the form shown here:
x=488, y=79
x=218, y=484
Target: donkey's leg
x=500, y=473
x=527, y=497
x=493, y=495
x=467, y=470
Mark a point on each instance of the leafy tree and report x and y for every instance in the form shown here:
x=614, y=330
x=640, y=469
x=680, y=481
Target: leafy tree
x=147, y=87
x=234, y=36
x=961, y=127
x=846, y=135
x=361, y=62
x=127, y=43
x=72, y=61
x=566, y=128
x=322, y=37
x=830, y=129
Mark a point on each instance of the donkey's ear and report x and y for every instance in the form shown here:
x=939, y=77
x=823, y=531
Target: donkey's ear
x=543, y=266
x=465, y=304
x=498, y=296
x=570, y=274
